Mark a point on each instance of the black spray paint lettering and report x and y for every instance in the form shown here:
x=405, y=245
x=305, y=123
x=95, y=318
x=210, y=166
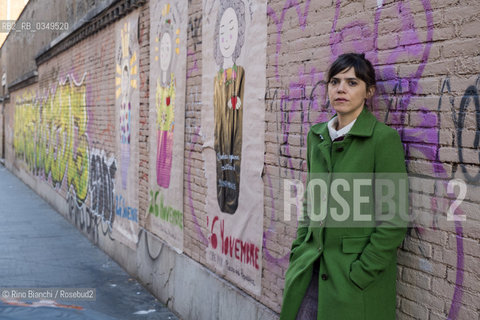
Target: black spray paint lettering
x=102, y=176
x=194, y=25
x=470, y=97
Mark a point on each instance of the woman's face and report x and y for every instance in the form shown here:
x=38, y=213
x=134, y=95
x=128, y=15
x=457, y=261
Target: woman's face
x=165, y=51
x=347, y=93
x=228, y=32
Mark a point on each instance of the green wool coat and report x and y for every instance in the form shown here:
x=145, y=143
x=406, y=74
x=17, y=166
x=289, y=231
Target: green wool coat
x=357, y=260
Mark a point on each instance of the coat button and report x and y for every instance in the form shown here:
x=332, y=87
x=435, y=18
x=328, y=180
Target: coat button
x=324, y=276
x=320, y=248
x=340, y=149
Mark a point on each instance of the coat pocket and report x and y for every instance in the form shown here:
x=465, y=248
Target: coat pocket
x=354, y=244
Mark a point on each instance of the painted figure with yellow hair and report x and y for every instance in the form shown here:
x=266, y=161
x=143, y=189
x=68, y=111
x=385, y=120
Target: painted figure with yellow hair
x=165, y=97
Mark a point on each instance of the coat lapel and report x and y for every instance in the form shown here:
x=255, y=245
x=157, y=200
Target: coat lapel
x=324, y=146
x=364, y=125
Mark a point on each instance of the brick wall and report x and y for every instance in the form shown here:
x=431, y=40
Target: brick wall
x=144, y=65
x=195, y=224
x=426, y=55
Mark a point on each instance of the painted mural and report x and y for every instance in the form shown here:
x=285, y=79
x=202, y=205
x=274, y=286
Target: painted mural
x=51, y=138
x=50, y=135
x=127, y=104
x=227, y=101
x=58, y=137
x=234, y=48
x=167, y=112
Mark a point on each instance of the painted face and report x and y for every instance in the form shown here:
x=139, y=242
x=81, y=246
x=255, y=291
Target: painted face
x=347, y=93
x=165, y=51
x=228, y=32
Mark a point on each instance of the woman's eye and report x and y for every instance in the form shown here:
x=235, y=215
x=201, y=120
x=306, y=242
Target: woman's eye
x=333, y=82
x=353, y=83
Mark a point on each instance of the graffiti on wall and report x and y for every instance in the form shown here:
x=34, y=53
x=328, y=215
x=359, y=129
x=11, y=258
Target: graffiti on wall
x=167, y=84
x=459, y=111
x=102, y=185
x=194, y=29
x=124, y=211
x=158, y=208
x=233, y=47
x=303, y=102
x=50, y=135
x=98, y=212
x=470, y=99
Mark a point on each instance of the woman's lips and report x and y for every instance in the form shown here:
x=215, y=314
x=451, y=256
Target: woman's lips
x=341, y=100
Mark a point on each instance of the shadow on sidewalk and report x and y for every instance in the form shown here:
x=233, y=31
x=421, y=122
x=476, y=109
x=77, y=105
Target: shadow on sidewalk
x=39, y=248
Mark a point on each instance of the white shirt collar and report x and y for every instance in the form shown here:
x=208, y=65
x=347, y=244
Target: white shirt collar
x=334, y=134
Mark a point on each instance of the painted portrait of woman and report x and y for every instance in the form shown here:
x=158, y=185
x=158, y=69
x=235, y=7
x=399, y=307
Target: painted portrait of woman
x=228, y=102
x=165, y=101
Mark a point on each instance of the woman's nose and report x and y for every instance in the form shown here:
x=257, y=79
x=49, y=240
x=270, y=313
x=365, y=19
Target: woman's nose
x=341, y=87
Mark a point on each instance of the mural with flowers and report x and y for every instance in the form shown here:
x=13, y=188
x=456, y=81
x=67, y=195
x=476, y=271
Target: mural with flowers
x=127, y=115
x=166, y=49
x=167, y=109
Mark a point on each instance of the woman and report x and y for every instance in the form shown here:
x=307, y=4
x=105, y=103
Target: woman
x=344, y=267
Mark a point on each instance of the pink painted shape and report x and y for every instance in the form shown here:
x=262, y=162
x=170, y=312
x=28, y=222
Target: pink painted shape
x=164, y=157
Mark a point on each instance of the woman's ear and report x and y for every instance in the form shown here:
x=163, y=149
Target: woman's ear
x=370, y=91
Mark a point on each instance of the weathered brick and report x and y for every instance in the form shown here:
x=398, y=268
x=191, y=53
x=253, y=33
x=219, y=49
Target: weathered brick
x=414, y=309
x=467, y=47
x=416, y=278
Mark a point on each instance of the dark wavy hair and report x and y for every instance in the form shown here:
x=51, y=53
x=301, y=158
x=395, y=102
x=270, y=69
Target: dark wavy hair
x=363, y=67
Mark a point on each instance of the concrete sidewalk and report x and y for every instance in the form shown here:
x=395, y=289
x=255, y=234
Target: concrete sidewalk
x=39, y=248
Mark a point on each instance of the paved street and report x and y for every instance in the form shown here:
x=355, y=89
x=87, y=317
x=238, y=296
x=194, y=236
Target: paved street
x=39, y=248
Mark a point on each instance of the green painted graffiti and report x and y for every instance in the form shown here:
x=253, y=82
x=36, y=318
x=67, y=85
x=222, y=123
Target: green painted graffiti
x=164, y=212
x=50, y=136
